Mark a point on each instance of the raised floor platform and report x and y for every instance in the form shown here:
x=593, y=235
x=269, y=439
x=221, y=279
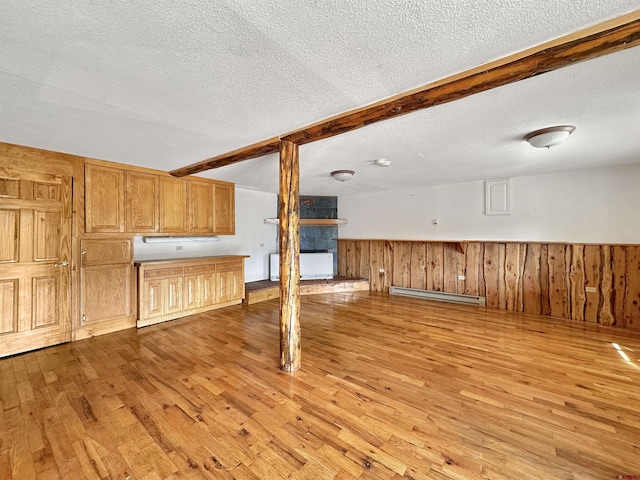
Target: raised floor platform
x=266, y=289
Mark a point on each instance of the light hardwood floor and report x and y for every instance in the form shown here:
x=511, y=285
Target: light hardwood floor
x=390, y=388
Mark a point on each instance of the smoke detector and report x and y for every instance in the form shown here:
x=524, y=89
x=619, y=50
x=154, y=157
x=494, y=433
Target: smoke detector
x=382, y=162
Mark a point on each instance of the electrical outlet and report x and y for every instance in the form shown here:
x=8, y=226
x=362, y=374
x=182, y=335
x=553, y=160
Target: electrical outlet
x=381, y=270
x=461, y=277
x=434, y=221
x=590, y=289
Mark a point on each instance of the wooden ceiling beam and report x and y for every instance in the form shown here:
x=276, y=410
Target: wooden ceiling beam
x=608, y=37
x=265, y=147
x=584, y=45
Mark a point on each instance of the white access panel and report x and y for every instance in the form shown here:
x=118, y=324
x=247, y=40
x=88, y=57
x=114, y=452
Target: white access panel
x=498, y=196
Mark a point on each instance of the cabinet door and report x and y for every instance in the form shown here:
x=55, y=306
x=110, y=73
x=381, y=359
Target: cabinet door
x=106, y=298
x=173, y=295
x=208, y=289
x=224, y=205
x=142, y=210
x=173, y=205
x=238, y=286
x=106, y=282
x=200, y=207
x=104, y=199
x=192, y=297
x=225, y=287
x=153, y=301
x=230, y=278
x=105, y=251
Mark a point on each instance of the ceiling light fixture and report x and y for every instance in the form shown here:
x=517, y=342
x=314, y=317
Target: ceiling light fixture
x=549, y=137
x=342, y=175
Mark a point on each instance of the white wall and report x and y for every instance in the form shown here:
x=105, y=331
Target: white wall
x=252, y=237
x=584, y=206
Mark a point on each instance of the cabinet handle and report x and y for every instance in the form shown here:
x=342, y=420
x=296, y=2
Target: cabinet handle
x=61, y=264
x=83, y=252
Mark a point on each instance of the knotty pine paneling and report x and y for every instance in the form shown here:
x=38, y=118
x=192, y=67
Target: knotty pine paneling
x=541, y=278
x=418, y=267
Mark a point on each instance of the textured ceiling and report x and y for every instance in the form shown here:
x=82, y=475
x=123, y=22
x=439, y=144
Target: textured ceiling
x=167, y=83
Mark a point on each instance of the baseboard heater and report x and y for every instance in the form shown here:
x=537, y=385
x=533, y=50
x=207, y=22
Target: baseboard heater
x=440, y=296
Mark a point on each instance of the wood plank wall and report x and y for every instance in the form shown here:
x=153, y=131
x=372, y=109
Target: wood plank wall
x=542, y=278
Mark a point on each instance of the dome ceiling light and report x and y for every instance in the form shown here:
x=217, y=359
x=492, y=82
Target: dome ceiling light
x=550, y=136
x=342, y=175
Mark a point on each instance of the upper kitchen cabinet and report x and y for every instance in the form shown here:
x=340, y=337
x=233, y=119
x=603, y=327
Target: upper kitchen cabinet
x=142, y=201
x=173, y=205
x=224, y=220
x=104, y=199
x=143, y=207
x=200, y=206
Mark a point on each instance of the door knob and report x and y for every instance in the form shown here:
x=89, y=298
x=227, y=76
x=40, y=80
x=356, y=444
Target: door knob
x=61, y=264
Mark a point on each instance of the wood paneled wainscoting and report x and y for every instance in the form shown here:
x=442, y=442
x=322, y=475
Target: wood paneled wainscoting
x=593, y=283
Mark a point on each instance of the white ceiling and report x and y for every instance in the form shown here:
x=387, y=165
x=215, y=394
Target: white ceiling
x=162, y=84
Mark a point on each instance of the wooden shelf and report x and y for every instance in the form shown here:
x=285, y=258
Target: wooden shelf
x=315, y=222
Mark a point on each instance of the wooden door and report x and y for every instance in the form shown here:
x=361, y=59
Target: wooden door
x=35, y=287
x=104, y=199
x=142, y=203
x=173, y=205
x=224, y=204
x=200, y=207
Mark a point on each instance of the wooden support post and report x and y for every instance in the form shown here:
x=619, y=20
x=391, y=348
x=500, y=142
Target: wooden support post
x=289, y=214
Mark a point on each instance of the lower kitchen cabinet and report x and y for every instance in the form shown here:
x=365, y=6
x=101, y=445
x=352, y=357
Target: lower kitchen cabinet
x=161, y=297
x=230, y=284
x=169, y=289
